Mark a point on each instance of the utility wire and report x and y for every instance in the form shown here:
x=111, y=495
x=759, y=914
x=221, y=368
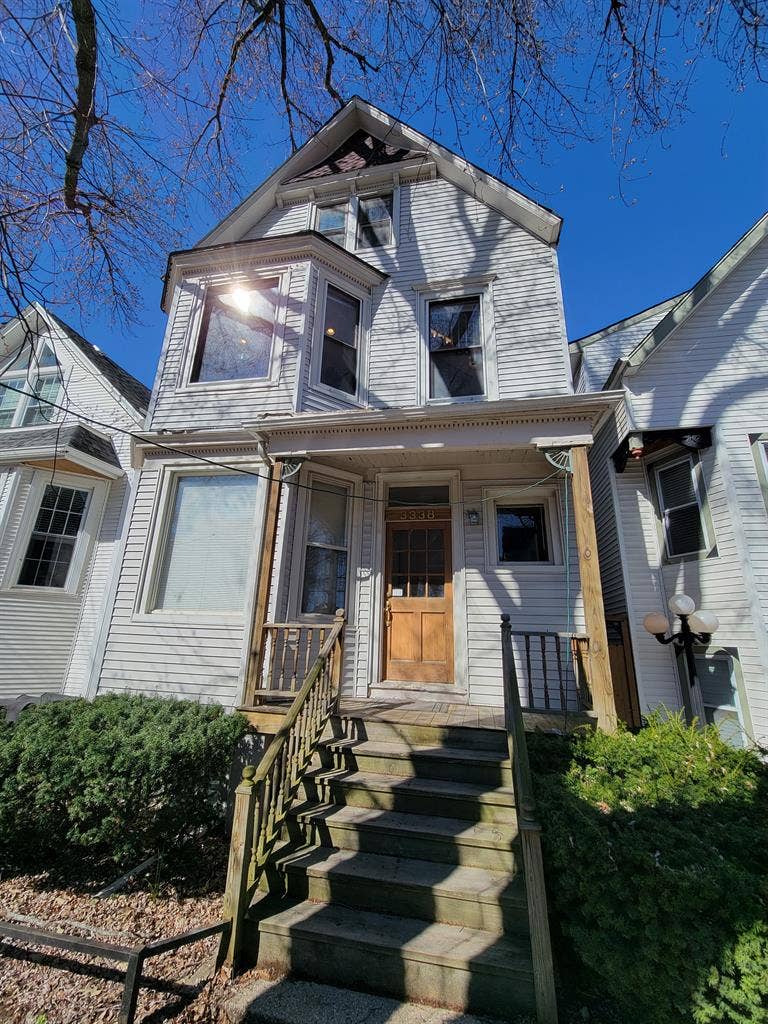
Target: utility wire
x=261, y=476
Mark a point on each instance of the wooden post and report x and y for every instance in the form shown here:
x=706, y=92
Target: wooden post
x=263, y=584
x=601, y=684
x=238, y=867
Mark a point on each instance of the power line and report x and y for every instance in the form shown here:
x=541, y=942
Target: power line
x=260, y=476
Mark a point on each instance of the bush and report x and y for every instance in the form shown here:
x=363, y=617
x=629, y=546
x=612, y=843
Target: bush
x=116, y=778
x=656, y=851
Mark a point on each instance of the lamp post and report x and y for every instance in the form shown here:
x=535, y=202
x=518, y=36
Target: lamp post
x=696, y=627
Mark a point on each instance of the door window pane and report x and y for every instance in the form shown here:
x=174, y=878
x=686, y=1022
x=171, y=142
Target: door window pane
x=325, y=561
x=521, y=533
x=210, y=536
x=374, y=222
x=417, y=562
x=340, y=332
x=455, y=349
x=680, y=511
x=52, y=543
x=237, y=332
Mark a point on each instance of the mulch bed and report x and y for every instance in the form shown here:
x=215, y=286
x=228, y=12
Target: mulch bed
x=47, y=986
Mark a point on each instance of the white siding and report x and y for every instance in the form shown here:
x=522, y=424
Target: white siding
x=608, y=542
x=600, y=353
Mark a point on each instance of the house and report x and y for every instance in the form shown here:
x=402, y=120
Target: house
x=65, y=486
x=680, y=485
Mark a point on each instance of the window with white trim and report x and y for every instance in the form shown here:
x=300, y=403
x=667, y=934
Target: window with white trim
x=341, y=341
x=680, y=508
x=237, y=332
x=374, y=221
x=331, y=221
x=324, y=580
x=521, y=533
x=39, y=378
x=208, y=537
x=720, y=696
x=455, y=343
x=48, y=559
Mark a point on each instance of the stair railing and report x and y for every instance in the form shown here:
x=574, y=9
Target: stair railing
x=265, y=793
x=530, y=835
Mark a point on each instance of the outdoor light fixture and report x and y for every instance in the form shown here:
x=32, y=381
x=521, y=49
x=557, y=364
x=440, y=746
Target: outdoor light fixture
x=696, y=627
x=473, y=517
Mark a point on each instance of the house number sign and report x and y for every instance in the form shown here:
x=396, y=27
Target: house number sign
x=418, y=515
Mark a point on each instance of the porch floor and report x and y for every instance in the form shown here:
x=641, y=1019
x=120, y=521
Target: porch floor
x=267, y=717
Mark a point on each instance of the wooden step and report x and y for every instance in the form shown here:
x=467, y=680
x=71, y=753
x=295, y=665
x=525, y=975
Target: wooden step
x=483, y=767
x=459, y=967
x=354, y=727
x=414, y=836
x=443, y=797
x=448, y=894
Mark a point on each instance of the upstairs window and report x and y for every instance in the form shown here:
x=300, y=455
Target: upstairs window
x=39, y=378
x=455, y=349
x=51, y=547
x=331, y=221
x=237, y=332
x=374, y=221
x=341, y=332
x=325, y=557
x=680, y=508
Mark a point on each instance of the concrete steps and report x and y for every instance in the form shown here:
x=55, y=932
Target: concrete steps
x=400, y=872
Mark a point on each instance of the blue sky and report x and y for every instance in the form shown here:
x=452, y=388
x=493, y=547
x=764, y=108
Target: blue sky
x=694, y=193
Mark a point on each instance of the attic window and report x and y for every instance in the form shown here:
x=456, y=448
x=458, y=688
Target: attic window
x=374, y=222
x=37, y=376
x=237, y=332
x=331, y=221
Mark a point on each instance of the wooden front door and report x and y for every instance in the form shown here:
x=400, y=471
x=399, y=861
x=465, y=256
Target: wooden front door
x=418, y=608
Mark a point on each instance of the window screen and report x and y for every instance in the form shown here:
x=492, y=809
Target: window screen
x=52, y=543
x=521, y=533
x=325, y=561
x=681, y=515
x=338, y=367
x=206, y=554
x=236, y=334
x=455, y=349
x=374, y=222
x=718, y=691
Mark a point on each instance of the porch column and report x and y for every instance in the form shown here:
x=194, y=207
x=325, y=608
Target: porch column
x=263, y=583
x=600, y=681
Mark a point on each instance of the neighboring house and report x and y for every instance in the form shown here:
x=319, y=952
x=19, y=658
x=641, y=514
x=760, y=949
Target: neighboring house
x=381, y=323
x=65, y=485
x=680, y=484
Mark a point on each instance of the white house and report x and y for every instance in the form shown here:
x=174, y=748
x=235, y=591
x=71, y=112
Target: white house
x=679, y=477
x=65, y=485
x=364, y=371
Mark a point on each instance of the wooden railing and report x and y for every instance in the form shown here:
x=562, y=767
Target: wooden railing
x=555, y=670
x=530, y=835
x=286, y=653
x=265, y=793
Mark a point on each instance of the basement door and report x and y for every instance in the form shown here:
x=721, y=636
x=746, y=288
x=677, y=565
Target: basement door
x=418, y=608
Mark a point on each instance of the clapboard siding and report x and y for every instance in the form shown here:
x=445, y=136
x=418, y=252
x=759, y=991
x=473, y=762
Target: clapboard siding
x=710, y=372
x=194, y=657
x=608, y=543
x=49, y=639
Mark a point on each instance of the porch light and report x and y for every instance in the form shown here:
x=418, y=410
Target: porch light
x=473, y=516
x=696, y=627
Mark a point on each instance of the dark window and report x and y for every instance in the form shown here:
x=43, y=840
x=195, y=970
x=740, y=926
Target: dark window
x=237, y=332
x=52, y=544
x=331, y=221
x=522, y=533
x=427, y=494
x=325, y=560
x=340, y=330
x=374, y=222
x=455, y=349
x=679, y=506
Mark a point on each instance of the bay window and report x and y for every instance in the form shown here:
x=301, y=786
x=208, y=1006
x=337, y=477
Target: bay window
x=209, y=536
x=324, y=583
x=340, y=342
x=237, y=332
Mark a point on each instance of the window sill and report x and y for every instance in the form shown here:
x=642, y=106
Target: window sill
x=226, y=386
x=545, y=569
x=59, y=593
x=463, y=400
x=694, y=556
x=331, y=392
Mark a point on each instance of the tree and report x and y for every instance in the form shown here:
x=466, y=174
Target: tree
x=119, y=123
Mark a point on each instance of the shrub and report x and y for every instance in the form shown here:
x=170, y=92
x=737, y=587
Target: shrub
x=115, y=778
x=656, y=850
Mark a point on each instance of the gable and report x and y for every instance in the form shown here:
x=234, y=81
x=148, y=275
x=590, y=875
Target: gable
x=357, y=153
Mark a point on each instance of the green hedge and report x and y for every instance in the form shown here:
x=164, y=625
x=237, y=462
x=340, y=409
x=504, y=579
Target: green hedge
x=656, y=849
x=116, y=778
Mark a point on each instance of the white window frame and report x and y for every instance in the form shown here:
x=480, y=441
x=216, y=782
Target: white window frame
x=156, y=538
x=350, y=221
x=446, y=292
x=731, y=655
x=336, y=478
x=695, y=469
x=318, y=338
x=352, y=201
x=201, y=287
x=8, y=373
x=500, y=497
x=86, y=536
